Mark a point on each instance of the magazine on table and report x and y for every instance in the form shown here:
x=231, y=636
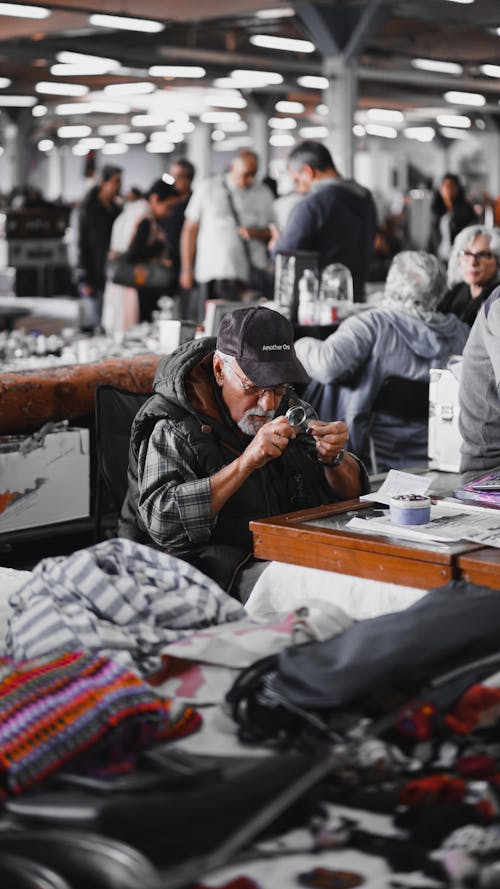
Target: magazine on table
x=484, y=490
x=449, y=523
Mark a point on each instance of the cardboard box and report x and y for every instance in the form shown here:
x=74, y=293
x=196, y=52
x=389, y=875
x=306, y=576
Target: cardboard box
x=445, y=440
x=44, y=478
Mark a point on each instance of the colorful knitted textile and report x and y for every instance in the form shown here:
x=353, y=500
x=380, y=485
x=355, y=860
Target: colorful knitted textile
x=82, y=710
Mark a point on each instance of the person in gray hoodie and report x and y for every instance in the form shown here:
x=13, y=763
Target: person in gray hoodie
x=479, y=393
x=404, y=336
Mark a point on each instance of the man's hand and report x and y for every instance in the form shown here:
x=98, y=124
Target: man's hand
x=186, y=280
x=268, y=444
x=330, y=438
x=252, y=233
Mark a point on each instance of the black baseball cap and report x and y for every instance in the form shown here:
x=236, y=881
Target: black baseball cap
x=261, y=340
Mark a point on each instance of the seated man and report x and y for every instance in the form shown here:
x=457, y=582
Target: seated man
x=212, y=449
x=473, y=271
x=405, y=336
x=479, y=418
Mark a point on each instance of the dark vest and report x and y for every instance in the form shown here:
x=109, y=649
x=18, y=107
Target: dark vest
x=295, y=481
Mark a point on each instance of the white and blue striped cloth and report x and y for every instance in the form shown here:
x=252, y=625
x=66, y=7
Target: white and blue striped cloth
x=119, y=598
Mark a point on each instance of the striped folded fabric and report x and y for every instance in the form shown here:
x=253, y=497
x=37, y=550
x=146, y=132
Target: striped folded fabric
x=80, y=709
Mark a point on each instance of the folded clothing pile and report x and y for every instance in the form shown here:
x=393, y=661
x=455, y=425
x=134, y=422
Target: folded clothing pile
x=78, y=708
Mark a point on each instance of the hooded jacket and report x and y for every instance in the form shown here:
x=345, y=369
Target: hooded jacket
x=187, y=395
x=353, y=362
x=479, y=393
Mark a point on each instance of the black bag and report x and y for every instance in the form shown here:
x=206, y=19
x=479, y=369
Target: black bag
x=140, y=274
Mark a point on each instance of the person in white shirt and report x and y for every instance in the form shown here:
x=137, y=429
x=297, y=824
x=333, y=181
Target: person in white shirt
x=225, y=233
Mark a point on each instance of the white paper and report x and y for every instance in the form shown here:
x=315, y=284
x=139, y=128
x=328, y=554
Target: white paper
x=446, y=526
x=396, y=483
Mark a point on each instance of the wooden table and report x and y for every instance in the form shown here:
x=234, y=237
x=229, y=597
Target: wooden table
x=481, y=567
x=297, y=538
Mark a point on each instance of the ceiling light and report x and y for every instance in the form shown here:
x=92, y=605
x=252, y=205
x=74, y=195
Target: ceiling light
x=123, y=23
x=148, y=120
x=109, y=107
x=92, y=142
x=45, y=145
x=62, y=70
x=4, y=83
x=74, y=132
x=161, y=135
x=160, y=147
x=450, y=133
x=234, y=144
x=182, y=126
x=322, y=109
x=235, y=126
x=374, y=129
x=114, y=148
x=313, y=82
x=194, y=71
x=281, y=139
x=74, y=108
x=458, y=98
x=24, y=12
x=421, y=134
x=280, y=12
x=435, y=65
x=39, y=110
x=61, y=89
x=290, y=107
x=168, y=178
x=131, y=138
x=490, y=70
x=82, y=58
x=461, y=1
x=286, y=44
x=358, y=129
x=218, y=136
x=385, y=114
x=133, y=89
x=454, y=120
x=80, y=150
x=314, y=132
x=282, y=123
x=226, y=100
x=17, y=101
x=219, y=116
x=480, y=123
x=112, y=129
x=256, y=78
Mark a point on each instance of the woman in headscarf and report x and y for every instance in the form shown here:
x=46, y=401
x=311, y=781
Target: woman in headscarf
x=402, y=337
x=473, y=271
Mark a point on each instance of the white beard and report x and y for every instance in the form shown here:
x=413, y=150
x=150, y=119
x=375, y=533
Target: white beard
x=247, y=423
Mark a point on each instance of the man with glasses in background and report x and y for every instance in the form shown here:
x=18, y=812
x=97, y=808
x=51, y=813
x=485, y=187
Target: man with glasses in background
x=473, y=272
x=212, y=449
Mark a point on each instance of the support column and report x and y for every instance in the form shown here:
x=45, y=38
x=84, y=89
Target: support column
x=341, y=98
x=18, y=141
x=200, y=153
x=259, y=131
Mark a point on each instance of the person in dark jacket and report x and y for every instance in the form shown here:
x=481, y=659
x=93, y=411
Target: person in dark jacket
x=338, y=217
x=473, y=272
x=212, y=449
x=98, y=211
x=451, y=212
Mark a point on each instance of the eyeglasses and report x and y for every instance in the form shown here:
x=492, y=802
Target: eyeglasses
x=480, y=256
x=277, y=391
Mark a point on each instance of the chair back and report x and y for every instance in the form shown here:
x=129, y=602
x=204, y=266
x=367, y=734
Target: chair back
x=398, y=399
x=115, y=410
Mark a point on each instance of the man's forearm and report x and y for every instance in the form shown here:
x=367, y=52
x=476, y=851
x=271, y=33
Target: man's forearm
x=226, y=482
x=188, y=245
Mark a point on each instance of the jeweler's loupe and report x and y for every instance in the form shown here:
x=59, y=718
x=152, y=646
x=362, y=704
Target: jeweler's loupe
x=297, y=417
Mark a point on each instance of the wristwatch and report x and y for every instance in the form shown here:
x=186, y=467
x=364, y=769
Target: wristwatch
x=337, y=460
